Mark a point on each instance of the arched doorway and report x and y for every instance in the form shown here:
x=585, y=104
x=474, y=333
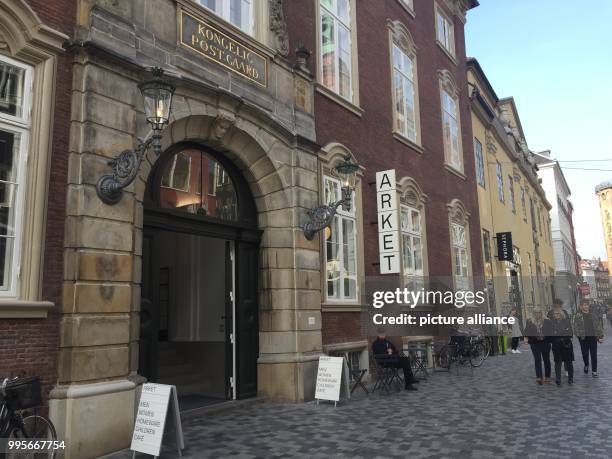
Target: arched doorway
x=199, y=296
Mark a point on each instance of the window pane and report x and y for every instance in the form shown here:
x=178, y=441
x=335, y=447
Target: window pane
x=343, y=11
x=331, y=191
x=328, y=51
x=6, y=261
x=399, y=101
x=410, y=116
x=9, y=150
x=416, y=221
x=332, y=260
x=344, y=64
x=12, y=80
x=7, y=209
x=349, y=258
x=418, y=255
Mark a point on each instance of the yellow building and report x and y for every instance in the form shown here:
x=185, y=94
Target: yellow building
x=604, y=193
x=510, y=200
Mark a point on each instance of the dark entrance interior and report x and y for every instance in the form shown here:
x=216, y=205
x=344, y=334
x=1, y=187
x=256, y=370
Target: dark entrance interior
x=199, y=309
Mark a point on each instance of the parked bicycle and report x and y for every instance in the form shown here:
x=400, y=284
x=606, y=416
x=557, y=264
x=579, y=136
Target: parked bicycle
x=24, y=435
x=461, y=350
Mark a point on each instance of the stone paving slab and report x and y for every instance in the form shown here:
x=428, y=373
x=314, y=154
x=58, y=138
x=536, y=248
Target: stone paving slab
x=494, y=411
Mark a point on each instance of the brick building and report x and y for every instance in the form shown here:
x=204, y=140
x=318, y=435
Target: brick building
x=405, y=73
x=35, y=86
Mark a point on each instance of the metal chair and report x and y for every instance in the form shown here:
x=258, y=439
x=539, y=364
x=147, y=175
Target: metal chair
x=386, y=375
x=417, y=353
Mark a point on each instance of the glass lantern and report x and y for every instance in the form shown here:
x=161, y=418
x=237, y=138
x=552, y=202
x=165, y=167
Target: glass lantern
x=157, y=95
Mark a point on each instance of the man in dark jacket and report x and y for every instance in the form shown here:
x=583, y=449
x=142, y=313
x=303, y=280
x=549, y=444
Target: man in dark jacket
x=386, y=355
x=588, y=327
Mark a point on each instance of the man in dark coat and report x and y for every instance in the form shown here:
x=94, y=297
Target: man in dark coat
x=561, y=339
x=386, y=355
x=588, y=327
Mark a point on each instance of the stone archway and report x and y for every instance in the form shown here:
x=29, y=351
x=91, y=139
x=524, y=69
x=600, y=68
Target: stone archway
x=99, y=348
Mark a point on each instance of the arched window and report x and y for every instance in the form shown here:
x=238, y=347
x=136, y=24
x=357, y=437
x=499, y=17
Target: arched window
x=451, y=123
x=194, y=182
x=413, y=234
x=406, y=120
x=460, y=244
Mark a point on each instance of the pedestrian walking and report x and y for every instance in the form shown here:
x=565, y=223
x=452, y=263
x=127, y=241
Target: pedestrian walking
x=561, y=342
x=537, y=334
x=517, y=333
x=588, y=327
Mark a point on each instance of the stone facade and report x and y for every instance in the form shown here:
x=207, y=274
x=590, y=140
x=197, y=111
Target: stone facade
x=260, y=129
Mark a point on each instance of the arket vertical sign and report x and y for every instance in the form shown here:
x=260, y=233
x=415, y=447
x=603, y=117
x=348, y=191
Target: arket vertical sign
x=388, y=222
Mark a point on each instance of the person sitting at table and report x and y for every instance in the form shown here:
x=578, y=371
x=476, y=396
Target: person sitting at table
x=386, y=355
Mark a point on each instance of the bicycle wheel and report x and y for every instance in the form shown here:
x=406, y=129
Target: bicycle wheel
x=477, y=354
x=35, y=427
x=444, y=358
x=487, y=347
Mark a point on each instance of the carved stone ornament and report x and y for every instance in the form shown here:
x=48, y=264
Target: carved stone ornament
x=490, y=141
x=278, y=26
x=220, y=125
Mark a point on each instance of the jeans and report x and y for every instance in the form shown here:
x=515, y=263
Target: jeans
x=588, y=344
x=541, y=353
x=514, y=344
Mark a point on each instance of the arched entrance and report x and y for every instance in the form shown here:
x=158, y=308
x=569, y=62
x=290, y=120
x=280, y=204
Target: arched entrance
x=199, y=298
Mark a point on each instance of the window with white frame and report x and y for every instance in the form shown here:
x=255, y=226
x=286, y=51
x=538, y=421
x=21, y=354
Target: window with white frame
x=335, y=47
x=412, y=247
x=450, y=124
x=445, y=32
x=409, y=4
x=480, y=171
x=523, y=204
x=511, y=193
x=15, y=124
x=236, y=12
x=500, y=183
x=405, y=93
x=340, y=248
x=460, y=256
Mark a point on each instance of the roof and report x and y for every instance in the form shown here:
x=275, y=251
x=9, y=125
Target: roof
x=473, y=4
x=472, y=62
x=603, y=186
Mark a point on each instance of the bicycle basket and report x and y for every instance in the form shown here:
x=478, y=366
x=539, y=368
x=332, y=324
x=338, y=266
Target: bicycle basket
x=23, y=393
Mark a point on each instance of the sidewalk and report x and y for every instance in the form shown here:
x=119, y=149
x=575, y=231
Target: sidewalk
x=495, y=411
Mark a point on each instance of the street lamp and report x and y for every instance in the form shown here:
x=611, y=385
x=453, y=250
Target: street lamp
x=321, y=217
x=157, y=97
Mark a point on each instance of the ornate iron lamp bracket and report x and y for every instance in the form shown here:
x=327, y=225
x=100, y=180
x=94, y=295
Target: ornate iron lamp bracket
x=125, y=168
x=321, y=217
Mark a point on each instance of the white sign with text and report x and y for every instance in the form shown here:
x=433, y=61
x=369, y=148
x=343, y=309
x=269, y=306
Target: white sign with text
x=151, y=419
x=329, y=378
x=388, y=222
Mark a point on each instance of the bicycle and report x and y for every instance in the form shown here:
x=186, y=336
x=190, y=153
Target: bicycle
x=36, y=434
x=461, y=350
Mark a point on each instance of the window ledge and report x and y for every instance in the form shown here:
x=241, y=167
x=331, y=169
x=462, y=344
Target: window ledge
x=454, y=171
x=407, y=7
x=18, y=309
x=343, y=347
x=406, y=141
x=446, y=51
x=354, y=109
x=343, y=307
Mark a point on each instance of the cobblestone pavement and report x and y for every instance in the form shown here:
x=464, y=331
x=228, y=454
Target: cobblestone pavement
x=496, y=410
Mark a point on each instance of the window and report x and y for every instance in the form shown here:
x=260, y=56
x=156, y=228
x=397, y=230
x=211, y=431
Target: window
x=511, y=193
x=404, y=93
x=340, y=248
x=460, y=256
x=450, y=125
x=412, y=247
x=236, y=12
x=486, y=243
x=480, y=172
x=335, y=47
x=177, y=175
x=523, y=205
x=15, y=123
x=500, y=183
x=445, y=32
x=186, y=175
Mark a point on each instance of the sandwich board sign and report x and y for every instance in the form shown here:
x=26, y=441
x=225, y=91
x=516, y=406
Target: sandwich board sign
x=388, y=222
x=151, y=419
x=329, y=378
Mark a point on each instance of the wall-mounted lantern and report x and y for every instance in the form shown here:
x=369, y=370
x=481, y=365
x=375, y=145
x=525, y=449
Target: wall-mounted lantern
x=157, y=96
x=322, y=216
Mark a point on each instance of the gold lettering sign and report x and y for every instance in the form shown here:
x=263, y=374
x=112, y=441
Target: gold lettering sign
x=205, y=39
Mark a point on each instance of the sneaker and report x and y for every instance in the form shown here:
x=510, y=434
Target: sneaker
x=539, y=381
x=586, y=369
x=558, y=383
x=517, y=352
x=411, y=388
x=513, y=351
x=595, y=375
x=570, y=381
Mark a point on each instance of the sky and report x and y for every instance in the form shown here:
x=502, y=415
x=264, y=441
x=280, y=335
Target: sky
x=555, y=58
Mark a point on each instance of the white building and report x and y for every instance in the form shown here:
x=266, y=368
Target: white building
x=562, y=228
